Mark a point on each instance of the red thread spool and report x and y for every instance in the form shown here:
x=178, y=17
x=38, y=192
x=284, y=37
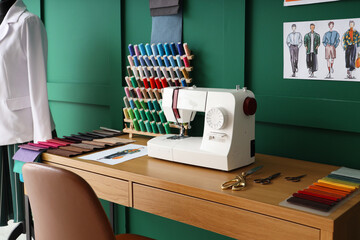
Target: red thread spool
x=164, y=82
x=177, y=82
x=158, y=84
x=186, y=61
x=146, y=83
x=152, y=83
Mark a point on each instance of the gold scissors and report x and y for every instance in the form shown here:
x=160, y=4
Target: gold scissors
x=239, y=182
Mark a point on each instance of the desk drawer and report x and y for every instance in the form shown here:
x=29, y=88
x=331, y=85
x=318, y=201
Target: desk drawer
x=223, y=219
x=111, y=189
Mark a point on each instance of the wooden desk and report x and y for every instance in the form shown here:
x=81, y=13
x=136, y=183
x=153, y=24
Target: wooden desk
x=193, y=195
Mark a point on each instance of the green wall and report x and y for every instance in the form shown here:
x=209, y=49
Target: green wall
x=234, y=42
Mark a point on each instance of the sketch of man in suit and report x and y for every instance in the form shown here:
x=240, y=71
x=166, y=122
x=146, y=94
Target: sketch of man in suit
x=331, y=41
x=351, y=40
x=312, y=43
x=294, y=42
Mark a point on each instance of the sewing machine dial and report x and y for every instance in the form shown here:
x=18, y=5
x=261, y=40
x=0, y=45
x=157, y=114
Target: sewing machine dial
x=215, y=118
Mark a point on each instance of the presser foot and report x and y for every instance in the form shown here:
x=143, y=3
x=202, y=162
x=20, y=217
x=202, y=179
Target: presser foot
x=177, y=137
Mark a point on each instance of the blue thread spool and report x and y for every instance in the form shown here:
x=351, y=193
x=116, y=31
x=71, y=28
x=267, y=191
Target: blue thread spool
x=161, y=49
x=148, y=49
x=173, y=49
x=160, y=62
x=167, y=62
x=154, y=49
x=142, y=49
x=147, y=60
x=153, y=61
x=136, y=61
x=183, y=82
x=172, y=61
x=132, y=103
x=156, y=105
x=142, y=62
x=167, y=49
x=150, y=105
x=131, y=50
x=180, y=48
x=179, y=62
x=178, y=73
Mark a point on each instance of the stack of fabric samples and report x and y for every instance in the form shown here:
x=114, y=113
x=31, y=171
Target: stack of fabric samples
x=68, y=146
x=329, y=191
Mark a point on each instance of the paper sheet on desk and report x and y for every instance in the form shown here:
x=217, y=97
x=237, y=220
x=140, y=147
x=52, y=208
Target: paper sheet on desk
x=118, y=155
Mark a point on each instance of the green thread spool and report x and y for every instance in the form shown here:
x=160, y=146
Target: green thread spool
x=136, y=125
x=137, y=114
x=154, y=127
x=142, y=125
x=160, y=103
x=156, y=105
x=149, y=116
x=143, y=115
x=133, y=82
x=167, y=128
x=162, y=117
x=155, y=116
x=143, y=104
x=161, y=128
x=137, y=103
x=148, y=126
x=131, y=113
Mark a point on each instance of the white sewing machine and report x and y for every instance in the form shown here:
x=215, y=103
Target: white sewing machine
x=228, y=141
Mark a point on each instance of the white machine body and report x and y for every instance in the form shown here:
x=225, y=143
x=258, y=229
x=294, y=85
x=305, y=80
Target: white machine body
x=228, y=141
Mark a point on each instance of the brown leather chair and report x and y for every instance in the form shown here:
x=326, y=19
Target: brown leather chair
x=65, y=207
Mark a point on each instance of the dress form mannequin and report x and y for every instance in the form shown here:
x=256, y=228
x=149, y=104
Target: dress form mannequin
x=5, y=5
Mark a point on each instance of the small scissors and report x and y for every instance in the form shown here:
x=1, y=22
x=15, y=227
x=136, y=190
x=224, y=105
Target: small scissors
x=295, y=179
x=267, y=180
x=239, y=182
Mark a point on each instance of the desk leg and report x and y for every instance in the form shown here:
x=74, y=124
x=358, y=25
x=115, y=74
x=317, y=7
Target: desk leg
x=112, y=215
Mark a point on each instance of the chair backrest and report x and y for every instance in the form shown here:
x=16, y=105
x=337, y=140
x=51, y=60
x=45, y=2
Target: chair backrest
x=64, y=206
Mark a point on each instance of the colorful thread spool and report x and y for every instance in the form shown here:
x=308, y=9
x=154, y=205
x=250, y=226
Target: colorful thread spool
x=147, y=61
x=141, y=72
x=137, y=104
x=162, y=117
x=152, y=71
x=143, y=104
x=133, y=81
x=148, y=126
x=136, y=125
x=164, y=83
x=146, y=71
x=160, y=62
x=131, y=50
x=142, y=125
x=178, y=60
x=128, y=82
x=167, y=49
x=151, y=94
x=161, y=49
x=158, y=84
x=173, y=49
x=126, y=102
x=172, y=73
x=132, y=92
x=146, y=83
x=155, y=116
x=127, y=92
x=150, y=105
x=152, y=83
x=180, y=49
x=187, y=50
x=126, y=113
x=142, y=61
x=142, y=49
x=145, y=93
x=156, y=105
x=136, y=61
x=149, y=115
x=157, y=95
x=128, y=68
x=185, y=73
x=186, y=61
x=167, y=62
x=137, y=51
x=178, y=73
x=160, y=103
x=161, y=128
x=153, y=61
x=131, y=113
x=148, y=49
x=177, y=82
x=142, y=114
x=172, y=61
x=158, y=72
x=183, y=82
x=170, y=82
x=154, y=49
x=131, y=62
x=165, y=72
x=137, y=114
x=154, y=127
x=135, y=72
x=138, y=93
x=167, y=128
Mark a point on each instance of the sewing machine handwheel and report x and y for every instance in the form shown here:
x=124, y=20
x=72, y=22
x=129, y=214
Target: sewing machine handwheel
x=249, y=106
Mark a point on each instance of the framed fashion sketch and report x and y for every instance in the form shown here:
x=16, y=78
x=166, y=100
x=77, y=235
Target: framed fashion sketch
x=322, y=50
x=303, y=2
